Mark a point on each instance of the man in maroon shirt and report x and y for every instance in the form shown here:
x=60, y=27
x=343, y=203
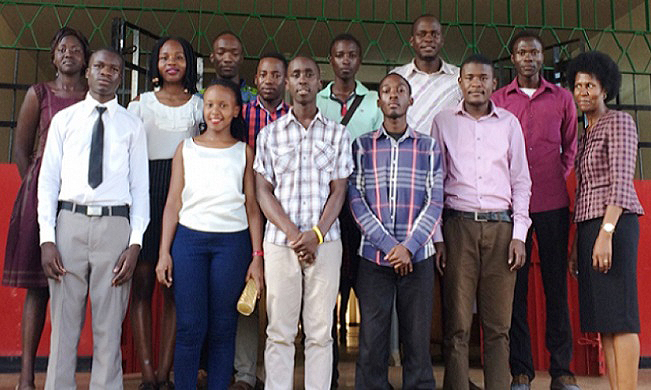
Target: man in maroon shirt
x=549, y=123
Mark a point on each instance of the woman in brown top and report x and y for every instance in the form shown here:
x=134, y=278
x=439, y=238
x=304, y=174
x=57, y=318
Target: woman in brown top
x=69, y=52
x=606, y=212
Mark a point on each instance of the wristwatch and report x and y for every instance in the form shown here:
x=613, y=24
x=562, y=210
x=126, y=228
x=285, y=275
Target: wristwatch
x=608, y=228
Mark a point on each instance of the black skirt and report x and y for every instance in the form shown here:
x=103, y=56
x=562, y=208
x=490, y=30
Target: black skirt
x=160, y=172
x=608, y=302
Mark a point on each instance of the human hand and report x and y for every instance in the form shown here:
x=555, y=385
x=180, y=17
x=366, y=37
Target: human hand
x=602, y=252
x=256, y=271
x=517, y=254
x=164, y=269
x=51, y=261
x=440, y=257
x=126, y=265
x=305, y=245
x=400, y=258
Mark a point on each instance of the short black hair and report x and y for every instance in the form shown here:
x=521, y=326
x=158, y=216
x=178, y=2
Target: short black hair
x=312, y=60
x=190, y=77
x=524, y=34
x=227, y=32
x=346, y=38
x=393, y=74
x=111, y=50
x=237, y=124
x=599, y=65
x=65, y=32
x=276, y=55
x=421, y=17
x=477, y=58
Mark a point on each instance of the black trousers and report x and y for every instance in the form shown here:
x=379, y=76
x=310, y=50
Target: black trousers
x=376, y=286
x=552, y=230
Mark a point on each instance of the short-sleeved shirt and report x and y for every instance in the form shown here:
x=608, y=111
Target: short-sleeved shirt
x=605, y=167
x=300, y=163
x=432, y=92
x=548, y=120
x=366, y=118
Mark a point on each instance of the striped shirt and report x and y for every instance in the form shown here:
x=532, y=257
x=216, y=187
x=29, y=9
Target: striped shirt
x=300, y=163
x=256, y=117
x=431, y=93
x=396, y=193
x=605, y=167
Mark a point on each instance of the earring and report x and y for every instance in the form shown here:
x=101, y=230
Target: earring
x=186, y=90
x=155, y=81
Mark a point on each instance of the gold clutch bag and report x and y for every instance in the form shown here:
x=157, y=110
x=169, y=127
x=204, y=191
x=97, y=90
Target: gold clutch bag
x=246, y=303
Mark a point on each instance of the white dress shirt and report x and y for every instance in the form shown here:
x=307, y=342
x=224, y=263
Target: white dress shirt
x=432, y=92
x=64, y=171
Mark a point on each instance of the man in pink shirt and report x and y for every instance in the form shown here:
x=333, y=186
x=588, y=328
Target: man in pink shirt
x=548, y=118
x=486, y=189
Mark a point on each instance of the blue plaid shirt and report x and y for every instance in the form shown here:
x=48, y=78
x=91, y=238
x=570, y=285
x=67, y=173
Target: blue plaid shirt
x=396, y=193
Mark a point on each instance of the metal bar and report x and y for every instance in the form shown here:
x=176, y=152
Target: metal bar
x=22, y=87
x=135, y=59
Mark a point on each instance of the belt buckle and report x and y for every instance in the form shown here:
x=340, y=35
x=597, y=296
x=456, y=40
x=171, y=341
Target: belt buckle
x=94, y=211
x=477, y=219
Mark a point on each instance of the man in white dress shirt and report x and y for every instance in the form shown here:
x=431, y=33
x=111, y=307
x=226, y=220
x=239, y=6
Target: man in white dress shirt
x=93, y=208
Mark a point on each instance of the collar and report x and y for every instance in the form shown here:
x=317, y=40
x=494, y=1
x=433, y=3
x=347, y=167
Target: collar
x=444, y=69
x=382, y=133
x=460, y=110
x=513, y=86
x=292, y=117
x=326, y=92
x=90, y=103
x=279, y=107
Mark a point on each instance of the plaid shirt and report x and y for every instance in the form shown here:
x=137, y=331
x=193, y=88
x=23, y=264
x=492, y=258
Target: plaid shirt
x=396, y=193
x=300, y=163
x=256, y=117
x=605, y=166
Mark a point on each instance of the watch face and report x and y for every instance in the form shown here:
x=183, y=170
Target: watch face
x=608, y=227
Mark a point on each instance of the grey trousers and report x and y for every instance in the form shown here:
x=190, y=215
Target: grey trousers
x=246, y=347
x=90, y=248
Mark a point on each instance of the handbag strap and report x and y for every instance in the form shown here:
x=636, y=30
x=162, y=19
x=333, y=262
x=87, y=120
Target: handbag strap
x=349, y=114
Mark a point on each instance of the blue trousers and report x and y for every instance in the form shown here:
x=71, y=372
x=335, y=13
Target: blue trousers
x=209, y=271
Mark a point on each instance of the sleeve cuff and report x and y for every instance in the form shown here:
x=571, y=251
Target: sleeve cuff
x=520, y=232
x=47, y=235
x=387, y=244
x=438, y=233
x=136, y=237
x=411, y=244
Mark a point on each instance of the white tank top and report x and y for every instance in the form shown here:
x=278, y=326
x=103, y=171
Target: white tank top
x=213, y=194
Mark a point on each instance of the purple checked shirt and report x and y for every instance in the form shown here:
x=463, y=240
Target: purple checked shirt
x=396, y=193
x=549, y=125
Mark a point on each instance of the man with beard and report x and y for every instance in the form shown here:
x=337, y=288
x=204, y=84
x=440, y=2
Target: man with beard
x=433, y=81
x=396, y=196
x=548, y=118
x=92, y=217
x=258, y=113
x=486, y=189
x=302, y=165
x=227, y=57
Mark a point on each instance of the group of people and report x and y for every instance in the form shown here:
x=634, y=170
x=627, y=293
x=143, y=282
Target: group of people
x=436, y=171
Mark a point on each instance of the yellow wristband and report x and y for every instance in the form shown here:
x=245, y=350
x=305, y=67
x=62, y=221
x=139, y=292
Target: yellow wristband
x=319, y=235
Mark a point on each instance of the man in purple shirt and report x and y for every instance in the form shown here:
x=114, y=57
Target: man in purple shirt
x=549, y=124
x=396, y=198
x=486, y=189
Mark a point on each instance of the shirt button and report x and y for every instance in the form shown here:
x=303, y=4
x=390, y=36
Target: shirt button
x=530, y=148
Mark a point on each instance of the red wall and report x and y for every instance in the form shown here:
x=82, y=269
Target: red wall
x=587, y=351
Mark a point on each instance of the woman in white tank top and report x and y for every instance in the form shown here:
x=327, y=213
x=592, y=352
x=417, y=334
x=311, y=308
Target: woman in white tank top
x=211, y=228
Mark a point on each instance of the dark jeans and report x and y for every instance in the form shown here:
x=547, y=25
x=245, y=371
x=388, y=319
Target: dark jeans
x=209, y=271
x=376, y=286
x=552, y=230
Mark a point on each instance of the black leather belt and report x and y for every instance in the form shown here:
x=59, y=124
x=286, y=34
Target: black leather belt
x=488, y=216
x=95, y=211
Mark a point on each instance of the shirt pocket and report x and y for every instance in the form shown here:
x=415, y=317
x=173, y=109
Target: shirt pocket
x=323, y=156
x=284, y=160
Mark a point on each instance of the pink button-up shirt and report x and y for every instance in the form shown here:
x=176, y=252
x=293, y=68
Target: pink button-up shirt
x=485, y=164
x=548, y=122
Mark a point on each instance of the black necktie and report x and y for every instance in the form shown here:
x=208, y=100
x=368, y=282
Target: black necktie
x=96, y=151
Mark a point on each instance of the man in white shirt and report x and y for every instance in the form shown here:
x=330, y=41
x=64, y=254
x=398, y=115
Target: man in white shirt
x=93, y=208
x=433, y=81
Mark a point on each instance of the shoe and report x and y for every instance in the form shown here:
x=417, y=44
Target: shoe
x=147, y=386
x=240, y=385
x=564, y=382
x=167, y=385
x=521, y=382
x=202, y=379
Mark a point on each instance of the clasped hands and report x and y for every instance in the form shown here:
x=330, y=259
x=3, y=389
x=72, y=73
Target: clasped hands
x=304, y=244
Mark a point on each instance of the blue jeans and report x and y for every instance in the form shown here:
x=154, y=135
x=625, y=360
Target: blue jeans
x=209, y=271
